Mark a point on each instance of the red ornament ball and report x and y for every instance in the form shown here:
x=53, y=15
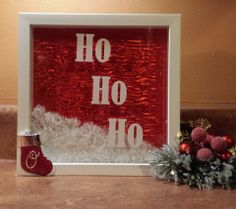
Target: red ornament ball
x=218, y=144
x=225, y=156
x=229, y=142
x=198, y=134
x=205, y=154
x=185, y=148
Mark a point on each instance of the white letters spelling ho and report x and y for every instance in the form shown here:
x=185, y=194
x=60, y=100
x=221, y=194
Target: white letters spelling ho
x=102, y=45
x=84, y=53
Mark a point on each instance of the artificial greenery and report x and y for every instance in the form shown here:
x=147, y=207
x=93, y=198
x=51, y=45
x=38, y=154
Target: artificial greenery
x=168, y=164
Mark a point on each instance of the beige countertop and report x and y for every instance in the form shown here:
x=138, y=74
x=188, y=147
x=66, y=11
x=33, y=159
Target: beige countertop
x=91, y=192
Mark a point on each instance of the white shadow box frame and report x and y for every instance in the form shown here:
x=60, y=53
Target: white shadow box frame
x=27, y=21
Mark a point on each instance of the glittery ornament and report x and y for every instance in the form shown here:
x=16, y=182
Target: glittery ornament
x=198, y=134
x=204, y=154
x=218, y=144
x=209, y=138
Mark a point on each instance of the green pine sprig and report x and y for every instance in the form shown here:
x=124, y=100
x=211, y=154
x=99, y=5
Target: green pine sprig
x=168, y=164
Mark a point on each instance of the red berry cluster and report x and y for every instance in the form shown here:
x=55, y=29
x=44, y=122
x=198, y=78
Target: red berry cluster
x=205, y=146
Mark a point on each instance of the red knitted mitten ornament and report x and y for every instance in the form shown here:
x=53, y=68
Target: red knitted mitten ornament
x=33, y=161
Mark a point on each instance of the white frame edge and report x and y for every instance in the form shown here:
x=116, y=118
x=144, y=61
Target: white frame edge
x=27, y=20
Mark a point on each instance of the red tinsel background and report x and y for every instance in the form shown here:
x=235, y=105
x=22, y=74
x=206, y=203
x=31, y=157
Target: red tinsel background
x=138, y=58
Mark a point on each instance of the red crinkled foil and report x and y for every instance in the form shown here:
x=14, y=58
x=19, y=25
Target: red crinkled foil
x=138, y=58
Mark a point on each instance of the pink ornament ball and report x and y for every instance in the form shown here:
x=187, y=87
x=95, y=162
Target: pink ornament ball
x=208, y=139
x=218, y=144
x=198, y=134
x=204, y=154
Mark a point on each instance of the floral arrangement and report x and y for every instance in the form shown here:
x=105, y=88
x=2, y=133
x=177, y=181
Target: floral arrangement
x=201, y=160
